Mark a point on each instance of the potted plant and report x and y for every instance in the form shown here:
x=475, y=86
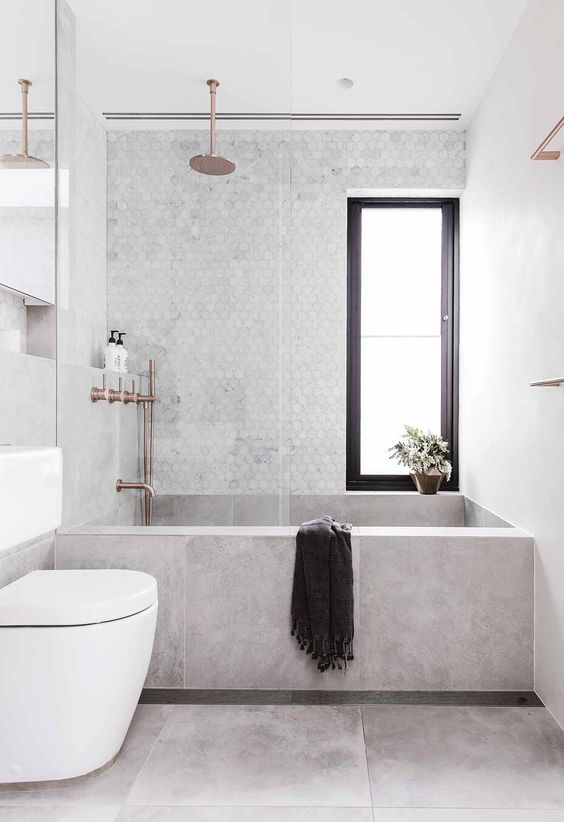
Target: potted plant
x=425, y=455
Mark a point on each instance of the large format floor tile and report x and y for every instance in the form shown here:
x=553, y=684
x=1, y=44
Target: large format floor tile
x=450, y=757
x=110, y=786
x=257, y=755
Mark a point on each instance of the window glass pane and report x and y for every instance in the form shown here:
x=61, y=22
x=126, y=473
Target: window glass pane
x=400, y=329
x=400, y=383
x=401, y=271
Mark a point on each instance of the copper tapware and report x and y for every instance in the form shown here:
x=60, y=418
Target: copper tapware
x=111, y=396
x=123, y=486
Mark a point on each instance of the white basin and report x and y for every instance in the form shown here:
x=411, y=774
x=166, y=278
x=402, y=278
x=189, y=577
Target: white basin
x=31, y=482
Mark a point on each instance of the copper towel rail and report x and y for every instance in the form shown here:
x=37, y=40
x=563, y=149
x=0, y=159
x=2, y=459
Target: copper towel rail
x=555, y=382
x=540, y=153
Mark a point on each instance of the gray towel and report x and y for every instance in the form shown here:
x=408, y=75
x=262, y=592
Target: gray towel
x=322, y=598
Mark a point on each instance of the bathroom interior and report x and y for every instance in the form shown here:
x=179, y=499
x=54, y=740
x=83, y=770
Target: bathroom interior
x=241, y=248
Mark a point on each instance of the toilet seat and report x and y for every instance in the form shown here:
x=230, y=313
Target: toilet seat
x=75, y=597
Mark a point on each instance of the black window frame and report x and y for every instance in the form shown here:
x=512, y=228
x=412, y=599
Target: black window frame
x=450, y=207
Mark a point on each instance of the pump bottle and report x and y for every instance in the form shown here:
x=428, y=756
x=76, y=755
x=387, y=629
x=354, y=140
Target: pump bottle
x=121, y=352
x=110, y=362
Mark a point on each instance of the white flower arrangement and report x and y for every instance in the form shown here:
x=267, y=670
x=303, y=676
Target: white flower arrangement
x=421, y=453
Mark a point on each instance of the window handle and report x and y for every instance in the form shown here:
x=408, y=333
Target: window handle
x=445, y=318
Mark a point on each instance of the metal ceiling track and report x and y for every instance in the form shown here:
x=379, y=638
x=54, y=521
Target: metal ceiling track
x=17, y=115
x=283, y=116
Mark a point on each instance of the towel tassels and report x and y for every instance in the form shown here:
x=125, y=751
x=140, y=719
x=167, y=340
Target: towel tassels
x=328, y=654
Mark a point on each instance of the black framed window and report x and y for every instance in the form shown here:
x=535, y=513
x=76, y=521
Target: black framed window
x=402, y=353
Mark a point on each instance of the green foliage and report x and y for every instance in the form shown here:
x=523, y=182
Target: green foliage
x=420, y=452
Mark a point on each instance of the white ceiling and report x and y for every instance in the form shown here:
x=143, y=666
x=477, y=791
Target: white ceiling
x=27, y=50
x=278, y=55
x=405, y=56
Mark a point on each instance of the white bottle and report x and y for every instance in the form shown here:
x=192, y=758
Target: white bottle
x=121, y=354
x=110, y=354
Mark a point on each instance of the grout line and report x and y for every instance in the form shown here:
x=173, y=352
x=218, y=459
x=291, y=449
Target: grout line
x=366, y=759
x=396, y=808
x=186, y=543
x=151, y=749
x=374, y=809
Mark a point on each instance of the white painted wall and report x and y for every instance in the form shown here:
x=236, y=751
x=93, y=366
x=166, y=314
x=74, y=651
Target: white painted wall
x=512, y=316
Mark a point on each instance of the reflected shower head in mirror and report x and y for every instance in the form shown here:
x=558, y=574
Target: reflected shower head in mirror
x=212, y=163
x=23, y=160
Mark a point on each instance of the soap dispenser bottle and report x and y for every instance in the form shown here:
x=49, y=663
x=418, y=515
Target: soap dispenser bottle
x=110, y=353
x=122, y=355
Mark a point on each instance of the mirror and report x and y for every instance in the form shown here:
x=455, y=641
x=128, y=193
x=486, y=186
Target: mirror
x=27, y=153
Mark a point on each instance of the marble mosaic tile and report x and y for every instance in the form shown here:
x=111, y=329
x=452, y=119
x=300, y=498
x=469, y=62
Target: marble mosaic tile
x=237, y=286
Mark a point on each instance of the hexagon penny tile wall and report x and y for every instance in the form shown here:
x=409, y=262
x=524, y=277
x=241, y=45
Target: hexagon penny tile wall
x=237, y=286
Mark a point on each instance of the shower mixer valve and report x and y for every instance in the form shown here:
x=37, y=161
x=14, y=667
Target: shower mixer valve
x=121, y=395
x=112, y=395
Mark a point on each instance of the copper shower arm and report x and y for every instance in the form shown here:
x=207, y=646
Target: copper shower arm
x=540, y=153
x=213, y=84
x=24, y=85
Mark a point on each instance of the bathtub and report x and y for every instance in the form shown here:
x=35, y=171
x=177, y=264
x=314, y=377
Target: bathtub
x=443, y=592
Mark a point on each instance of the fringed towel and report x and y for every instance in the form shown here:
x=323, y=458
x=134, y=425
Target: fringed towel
x=322, y=598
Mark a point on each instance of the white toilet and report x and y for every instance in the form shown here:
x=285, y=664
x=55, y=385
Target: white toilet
x=75, y=647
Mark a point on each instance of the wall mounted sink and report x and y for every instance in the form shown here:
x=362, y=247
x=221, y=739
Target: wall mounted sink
x=30, y=493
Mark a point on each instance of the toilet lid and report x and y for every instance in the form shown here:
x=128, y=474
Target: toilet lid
x=76, y=597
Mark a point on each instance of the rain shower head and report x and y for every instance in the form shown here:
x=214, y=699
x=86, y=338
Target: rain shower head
x=23, y=160
x=212, y=163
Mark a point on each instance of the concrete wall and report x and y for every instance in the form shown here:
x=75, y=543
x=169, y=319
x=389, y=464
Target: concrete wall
x=100, y=443
x=435, y=609
x=447, y=509
x=99, y=440
x=512, y=317
x=30, y=556
x=27, y=417
x=81, y=263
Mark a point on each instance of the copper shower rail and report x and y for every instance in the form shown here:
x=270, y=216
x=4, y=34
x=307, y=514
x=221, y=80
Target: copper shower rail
x=148, y=401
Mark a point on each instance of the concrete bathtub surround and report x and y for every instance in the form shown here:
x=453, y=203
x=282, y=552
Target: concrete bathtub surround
x=447, y=509
x=437, y=608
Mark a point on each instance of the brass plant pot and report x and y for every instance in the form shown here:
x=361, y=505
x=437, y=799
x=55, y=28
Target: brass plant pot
x=427, y=483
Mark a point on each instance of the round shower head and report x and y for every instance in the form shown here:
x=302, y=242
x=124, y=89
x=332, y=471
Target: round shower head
x=23, y=159
x=212, y=163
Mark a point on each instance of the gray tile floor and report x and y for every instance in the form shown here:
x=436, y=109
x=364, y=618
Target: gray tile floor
x=309, y=763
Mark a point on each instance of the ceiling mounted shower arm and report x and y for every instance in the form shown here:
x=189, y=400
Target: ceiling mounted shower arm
x=25, y=84
x=213, y=84
x=23, y=159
